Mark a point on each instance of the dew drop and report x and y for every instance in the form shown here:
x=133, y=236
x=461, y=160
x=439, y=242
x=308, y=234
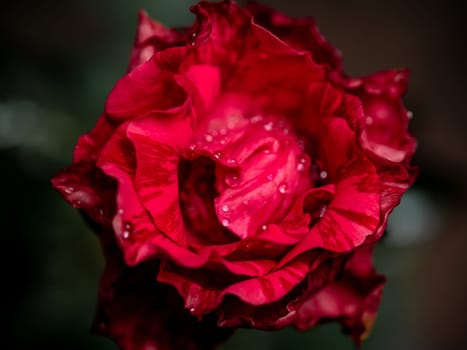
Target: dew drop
x=409, y=114
x=222, y=142
x=231, y=161
x=125, y=234
x=69, y=190
x=232, y=180
x=369, y=120
x=398, y=77
x=268, y=126
x=323, y=174
x=246, y=202
x=192, y=147
x=322, y=211
x=282, y=188
x=267, y=151
x=218, y=155
x=120, y=211
x=225, y=222
x=264, y=227
x=208, y=138
x=192, y=309
x=256, y=119
x=270, y=176
x=301, y=163
x=225, y=208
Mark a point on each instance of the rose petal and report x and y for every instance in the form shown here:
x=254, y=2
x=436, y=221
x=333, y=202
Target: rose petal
x=352, y=299
x=139, y=313
x=146, y=89
x=202, y=295
x=151, y=37
x=299, y=33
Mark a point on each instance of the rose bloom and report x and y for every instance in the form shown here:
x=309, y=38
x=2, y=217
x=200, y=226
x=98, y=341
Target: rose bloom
x=238, y=178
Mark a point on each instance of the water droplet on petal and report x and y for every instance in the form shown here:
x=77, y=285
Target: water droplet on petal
x=369, y=120
x=409, y=114
x=268, y=126
x=300, y=166
x=218, y=155
x=232, y=180
x=270, y=176
x=192, y=147
x=264, y=227
x=267, y=151
x=69, y=190
x=225, y=222
x=208, y=138
x=323, y=174
x=256, y=119
x=222, y=142
x=323, y=211
x=246, y=202
x=223, y=131
x=231, y=161
x=125, y=234
x=398, y=77
x=282, y=188
x=120, y=211
x=192, y=309
x=225, y=208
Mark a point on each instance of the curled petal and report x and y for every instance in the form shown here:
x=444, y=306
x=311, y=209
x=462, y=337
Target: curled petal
x=352, y=299
x=385, y=132
x=146, y=89
x=137, y=312
x=299, y=33
x=151, y=37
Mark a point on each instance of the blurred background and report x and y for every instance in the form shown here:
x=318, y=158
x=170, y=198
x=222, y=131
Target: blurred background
x=59, y=60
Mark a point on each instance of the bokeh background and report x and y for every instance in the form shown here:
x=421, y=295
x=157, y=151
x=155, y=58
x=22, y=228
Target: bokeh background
x=58, y=61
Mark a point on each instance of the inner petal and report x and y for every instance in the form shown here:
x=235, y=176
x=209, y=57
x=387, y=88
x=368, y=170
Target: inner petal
x=260, y=166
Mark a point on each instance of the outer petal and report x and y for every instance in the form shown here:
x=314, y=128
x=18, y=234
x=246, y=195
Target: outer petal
x=202, y=294
x=82, y=184
x=139, y=313
x=301, y=34
x=224, y=35
x=152, y=37
x=353, y=298
x=147, y=89
x=385, y=133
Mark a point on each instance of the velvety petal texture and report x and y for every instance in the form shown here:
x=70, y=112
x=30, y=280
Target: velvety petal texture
x=239, y=178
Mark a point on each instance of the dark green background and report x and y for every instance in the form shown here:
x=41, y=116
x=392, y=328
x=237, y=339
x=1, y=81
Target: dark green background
x=59, y=60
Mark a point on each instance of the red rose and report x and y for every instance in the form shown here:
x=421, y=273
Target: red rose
x=238, y=178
